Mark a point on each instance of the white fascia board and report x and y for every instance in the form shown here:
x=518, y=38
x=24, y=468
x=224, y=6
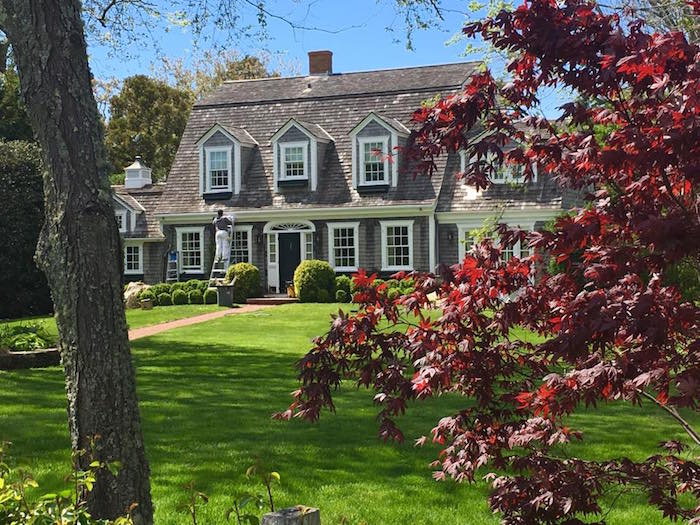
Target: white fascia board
x=305, y=213
x=520, y=216
x=121, y=201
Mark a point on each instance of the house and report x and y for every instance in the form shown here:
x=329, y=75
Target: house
x=303, y=163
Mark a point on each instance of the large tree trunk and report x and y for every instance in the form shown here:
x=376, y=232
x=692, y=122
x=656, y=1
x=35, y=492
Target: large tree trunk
x=79, y=249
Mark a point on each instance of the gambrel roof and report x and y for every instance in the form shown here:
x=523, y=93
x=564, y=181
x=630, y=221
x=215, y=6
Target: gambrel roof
x=329, y=107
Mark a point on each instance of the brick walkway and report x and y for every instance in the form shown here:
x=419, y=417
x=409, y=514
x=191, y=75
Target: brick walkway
x=146, y=331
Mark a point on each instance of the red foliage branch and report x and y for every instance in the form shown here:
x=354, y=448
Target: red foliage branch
x=609, y=326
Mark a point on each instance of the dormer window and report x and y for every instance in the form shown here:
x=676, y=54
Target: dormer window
x=218, y=168
x=298, y=149
x=120, y=215
x=375, y=161
x=294, y=156
x=223, y=152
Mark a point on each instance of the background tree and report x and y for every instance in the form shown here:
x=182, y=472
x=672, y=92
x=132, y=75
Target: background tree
x=14, y=123
x=207, y=71
x=80, y=249
x=146, y=118
x=24, y=288
x=607, y=326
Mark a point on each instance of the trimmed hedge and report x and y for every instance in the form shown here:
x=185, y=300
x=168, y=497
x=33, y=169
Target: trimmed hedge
x=312, y=277
x=179, y=297
x=165, y=299
x=343, y=282
x=195, y=297
x=210, y=296
x=177, y=286
x=161, y=288
x=247, y=282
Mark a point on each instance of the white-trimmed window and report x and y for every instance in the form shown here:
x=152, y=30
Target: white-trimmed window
x=465, y=239
x=120, y=215
x=190, y=246
x=218, y=168
x=293, y=160
x=241, y=245
x=133, y=258
x=343, y=245
x=271, y=248
x=397, y=245
x=308, y=238
x=374, y=165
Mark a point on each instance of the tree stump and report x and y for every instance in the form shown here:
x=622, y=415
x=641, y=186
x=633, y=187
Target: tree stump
x=298, y=515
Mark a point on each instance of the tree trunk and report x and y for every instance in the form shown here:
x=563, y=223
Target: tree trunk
x=80, y=249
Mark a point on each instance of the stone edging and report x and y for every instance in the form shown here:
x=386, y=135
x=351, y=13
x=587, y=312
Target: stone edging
x=35, y=359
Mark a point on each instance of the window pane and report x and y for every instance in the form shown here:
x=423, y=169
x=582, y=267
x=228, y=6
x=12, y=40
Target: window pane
x=294, y=162
x=191, y=256
x=239, y=247
x=271, y=248
x=120, y=220
x=397, y=246
x=132, y=258
x=218, y=169
x=309, y=245
x=344, y=249
x=374, y=162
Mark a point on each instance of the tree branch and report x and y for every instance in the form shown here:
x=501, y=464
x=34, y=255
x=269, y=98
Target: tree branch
x=260, y=7
x=674, y=413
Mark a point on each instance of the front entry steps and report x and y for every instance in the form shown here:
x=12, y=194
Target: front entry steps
x=272, y=300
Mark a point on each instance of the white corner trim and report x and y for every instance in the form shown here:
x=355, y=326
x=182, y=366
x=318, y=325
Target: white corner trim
x=314, y=168
x=332, y=226
x=191, y=229
x=432, y=244
x=385, y=256
x=237, y=168
x=276, y=159
x=394, y=159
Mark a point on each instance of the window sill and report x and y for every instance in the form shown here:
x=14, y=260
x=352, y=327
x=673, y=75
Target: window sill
x=394, y=269
x=217, y=195
x=345, y=269
x=372, y=188
x=192, y=271
x=292, y=183
x=132, y=273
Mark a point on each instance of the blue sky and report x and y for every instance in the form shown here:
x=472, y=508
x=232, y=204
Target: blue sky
x=371, y=36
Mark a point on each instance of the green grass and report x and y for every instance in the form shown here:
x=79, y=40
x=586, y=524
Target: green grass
x=134, y=318
x=206, y=395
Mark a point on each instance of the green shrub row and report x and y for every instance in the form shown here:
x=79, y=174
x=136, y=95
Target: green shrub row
x=189, y=292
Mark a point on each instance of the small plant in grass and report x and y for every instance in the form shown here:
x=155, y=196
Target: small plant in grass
x=67, y=507
x=149, y=294
x=240, y=503
x=210, y=296
x=179, y=297
x=195, y=297
x=192, y=501
x=165, y=299
x=261, y=472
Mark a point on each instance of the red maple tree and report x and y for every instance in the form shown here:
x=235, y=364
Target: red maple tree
x=610, y=325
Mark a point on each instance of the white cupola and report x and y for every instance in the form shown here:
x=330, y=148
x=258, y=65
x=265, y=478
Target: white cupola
x=138, y=175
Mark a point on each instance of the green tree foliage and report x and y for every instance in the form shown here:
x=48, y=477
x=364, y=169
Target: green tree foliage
x=14, y=124
x=205, y=73
x=24, y=287
x=147, y=118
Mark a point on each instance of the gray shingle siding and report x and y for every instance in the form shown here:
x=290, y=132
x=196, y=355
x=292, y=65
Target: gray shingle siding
x=448, y=250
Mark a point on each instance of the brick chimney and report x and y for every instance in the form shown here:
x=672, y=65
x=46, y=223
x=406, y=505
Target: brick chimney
x=320, y=62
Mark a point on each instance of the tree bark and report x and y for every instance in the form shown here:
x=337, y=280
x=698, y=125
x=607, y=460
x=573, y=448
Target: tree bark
x=80, y=250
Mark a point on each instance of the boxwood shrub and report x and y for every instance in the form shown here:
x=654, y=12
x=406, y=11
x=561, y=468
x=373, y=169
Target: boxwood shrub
x=161, y=288
x=341, y=296
x=195, y=297
x=165, y=299
x=179, y=297
x=177, y=286
x=312, y=276
x=192, y=284
x=210, y=296
x=247, y=279
x=148, y=294
x=343, y=282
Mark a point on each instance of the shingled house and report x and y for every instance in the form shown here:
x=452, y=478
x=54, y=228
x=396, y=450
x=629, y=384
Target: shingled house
x=303, y=165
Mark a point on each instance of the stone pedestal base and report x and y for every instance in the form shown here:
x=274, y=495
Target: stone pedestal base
x=293, y=516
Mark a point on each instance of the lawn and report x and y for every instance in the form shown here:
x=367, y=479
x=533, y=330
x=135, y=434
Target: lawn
x=207, y=392
x=134, y=318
